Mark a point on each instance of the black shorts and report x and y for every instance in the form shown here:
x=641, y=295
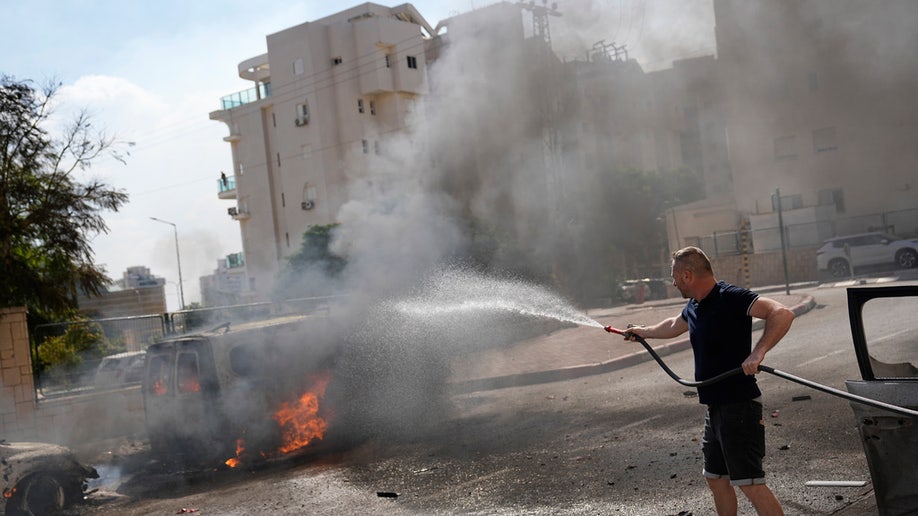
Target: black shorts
x=734, y=442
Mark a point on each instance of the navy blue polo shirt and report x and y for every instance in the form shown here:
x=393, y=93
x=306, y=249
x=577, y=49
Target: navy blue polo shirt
x=720, y=329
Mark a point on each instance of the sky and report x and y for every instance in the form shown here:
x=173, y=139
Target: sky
x=151, y=72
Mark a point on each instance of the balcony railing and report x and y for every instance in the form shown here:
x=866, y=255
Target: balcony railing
x=226, y=184
x=263, y=90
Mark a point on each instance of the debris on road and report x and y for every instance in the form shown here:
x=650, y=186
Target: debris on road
x=801, y=398
x=386, y=494
x=836, y=483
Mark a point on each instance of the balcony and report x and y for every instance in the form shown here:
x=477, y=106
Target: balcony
x=226, y=187
x=262, y=91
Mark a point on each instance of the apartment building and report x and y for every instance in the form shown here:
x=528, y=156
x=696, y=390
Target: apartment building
x=227, y=285
x=820, y=111
x=325, y=94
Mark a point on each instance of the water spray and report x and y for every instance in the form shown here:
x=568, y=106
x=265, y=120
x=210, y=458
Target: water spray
x=781, y=374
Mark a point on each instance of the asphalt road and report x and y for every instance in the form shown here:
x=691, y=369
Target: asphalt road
x=625, y=442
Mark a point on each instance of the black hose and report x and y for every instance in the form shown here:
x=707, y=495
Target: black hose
x=781, y=374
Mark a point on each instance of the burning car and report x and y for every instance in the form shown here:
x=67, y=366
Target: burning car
x=240, y=391
x=40, y=478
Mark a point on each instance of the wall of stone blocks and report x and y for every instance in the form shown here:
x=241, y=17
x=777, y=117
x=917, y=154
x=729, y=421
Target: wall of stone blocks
x=71, y=420
x=767, y=269
x=17, y=391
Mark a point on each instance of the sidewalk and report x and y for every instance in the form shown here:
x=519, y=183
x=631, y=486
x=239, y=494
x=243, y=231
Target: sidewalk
x=582, y=350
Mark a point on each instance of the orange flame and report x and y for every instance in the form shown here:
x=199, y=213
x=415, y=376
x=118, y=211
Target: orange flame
x=159, y=387
x=299, y=422
x=235, y=461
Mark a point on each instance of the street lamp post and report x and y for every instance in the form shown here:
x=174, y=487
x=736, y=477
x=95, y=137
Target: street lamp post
x=178, y=258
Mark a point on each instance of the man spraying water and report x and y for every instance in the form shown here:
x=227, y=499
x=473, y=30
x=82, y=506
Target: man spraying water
x=718, y=317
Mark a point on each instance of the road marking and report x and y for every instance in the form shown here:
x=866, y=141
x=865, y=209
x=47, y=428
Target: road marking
x=817, y=359
x=637, y=423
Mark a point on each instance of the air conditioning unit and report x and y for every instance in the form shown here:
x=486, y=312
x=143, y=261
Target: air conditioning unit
x=232, y=211
x=308, y=205
x=301, y=121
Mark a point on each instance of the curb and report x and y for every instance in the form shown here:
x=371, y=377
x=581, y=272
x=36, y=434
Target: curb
x=579, y=371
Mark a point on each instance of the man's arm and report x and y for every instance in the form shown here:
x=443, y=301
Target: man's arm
x=665, y=329
x=778, y=319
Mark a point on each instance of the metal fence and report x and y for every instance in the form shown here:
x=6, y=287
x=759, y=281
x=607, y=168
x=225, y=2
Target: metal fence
x=903, y=223
x=80, y=346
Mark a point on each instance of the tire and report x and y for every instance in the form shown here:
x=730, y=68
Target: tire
x=838, y=268
x=38, y=495
x=906, y=258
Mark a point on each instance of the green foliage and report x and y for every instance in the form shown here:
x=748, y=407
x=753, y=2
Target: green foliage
x=47, y=217
x=83, y=341
x=314, y=269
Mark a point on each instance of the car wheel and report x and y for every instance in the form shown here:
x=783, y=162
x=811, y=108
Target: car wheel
x=839, y=268
x=37, y=495
x=906, y=258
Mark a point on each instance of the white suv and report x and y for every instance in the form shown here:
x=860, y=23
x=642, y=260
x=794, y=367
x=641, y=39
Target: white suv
x=840, y=256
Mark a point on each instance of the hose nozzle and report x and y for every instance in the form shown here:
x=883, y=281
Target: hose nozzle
x=613, y=329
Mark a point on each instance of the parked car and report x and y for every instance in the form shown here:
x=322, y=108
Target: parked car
x=840, y=256
x=120, y=369
x=640, y=290
x=40, y=478
x=887, y=355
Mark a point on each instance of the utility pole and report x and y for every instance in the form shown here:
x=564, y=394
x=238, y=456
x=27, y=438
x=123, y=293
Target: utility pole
x=540, y=14
x=178, y=259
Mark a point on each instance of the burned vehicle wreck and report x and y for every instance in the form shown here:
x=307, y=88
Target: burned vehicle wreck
x=887, y=353
x=238, y=393
x=40, y=478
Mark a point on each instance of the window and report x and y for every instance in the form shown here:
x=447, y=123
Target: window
x=298, y=67
x=388, y=61
x=824, y=139
x=189, y=380
x=412, y=62
x=360, y=105
x=788, y=202
x=302, y=113
x=283, y=200
x=337, y=60
x=376, y=147
x=834, y=196
x=373, y=107
x=278, y=159
x=159, y=375
x=786, y=147
x=366, y=146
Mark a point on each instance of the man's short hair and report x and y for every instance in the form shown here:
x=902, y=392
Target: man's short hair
x=693, y=259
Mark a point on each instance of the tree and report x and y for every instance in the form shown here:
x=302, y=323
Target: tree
x=83, y=342
x=47, y=216
x=314, y=269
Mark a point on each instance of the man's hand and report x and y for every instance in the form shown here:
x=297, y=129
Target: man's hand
x=751, y=364
x=633, y=332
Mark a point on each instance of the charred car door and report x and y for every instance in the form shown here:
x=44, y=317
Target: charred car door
x=886, y=344
x=180, y=388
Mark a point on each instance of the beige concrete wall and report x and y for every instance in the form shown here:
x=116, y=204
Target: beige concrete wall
x=17, y=391
x=72, y=420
